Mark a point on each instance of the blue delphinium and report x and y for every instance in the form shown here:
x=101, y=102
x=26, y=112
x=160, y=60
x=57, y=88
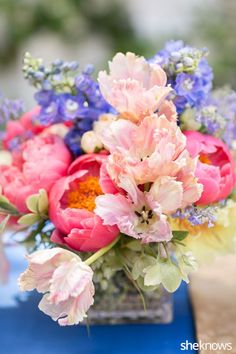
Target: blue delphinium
x=9, y=110
x=66, y=95
x=187, y=71
x=73, y=139
x=218, y=115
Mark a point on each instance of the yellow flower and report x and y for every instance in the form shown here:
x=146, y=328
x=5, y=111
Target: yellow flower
x=207, y=242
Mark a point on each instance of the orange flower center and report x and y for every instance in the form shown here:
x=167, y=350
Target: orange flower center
x=83, y=197
x=205, y=159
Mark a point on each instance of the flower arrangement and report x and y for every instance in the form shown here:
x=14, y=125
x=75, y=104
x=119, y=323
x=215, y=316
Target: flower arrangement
x=132, y=174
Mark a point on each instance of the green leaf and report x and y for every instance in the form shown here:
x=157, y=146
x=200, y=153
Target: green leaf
x=43, y=202
x=38, y=203
x=145, y=288
x=153, y=275
x=187, y=264
x=3, y=224
x=164, y=272
x=179, y=235
x=32, y=203
x=134, y=245
x=171, y=276
x=4, y=199
x=5, y=206
x=29, y=219
x=141, y=264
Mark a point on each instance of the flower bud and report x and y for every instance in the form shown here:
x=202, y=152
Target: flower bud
x=5, y=158
x=103, y=123
x=90, y=142
x=59, y=129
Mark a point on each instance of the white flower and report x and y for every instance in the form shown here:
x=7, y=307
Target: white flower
x=90, y=142
x=5, y=158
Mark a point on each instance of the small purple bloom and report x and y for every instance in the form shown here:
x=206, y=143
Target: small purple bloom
x=217, y=115
x=198, y=215
x=49, y=114
x=189, y=87
x=69, y=107
x=10, y=110
x=44, y=97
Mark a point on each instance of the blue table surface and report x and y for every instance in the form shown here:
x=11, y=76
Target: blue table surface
x=25, y=330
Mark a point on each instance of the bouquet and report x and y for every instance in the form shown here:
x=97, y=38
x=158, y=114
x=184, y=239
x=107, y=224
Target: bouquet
x=130, y=175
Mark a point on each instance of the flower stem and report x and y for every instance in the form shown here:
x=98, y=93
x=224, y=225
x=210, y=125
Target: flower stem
x=102, y=251
x=166, y=250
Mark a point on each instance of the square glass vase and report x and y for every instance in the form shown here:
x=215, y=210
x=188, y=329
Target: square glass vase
x=123, y=303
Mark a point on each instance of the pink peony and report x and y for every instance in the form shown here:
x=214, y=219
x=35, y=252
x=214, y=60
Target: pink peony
x=215, y=168
x=22, y=129
x=65, y=281
x=72, y=203
x=155, y=148
x=40, y=162
x=134, y=87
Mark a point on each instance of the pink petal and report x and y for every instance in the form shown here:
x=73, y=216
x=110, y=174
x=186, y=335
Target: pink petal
x=167, y=192
x=69, y=279
x=111, y=207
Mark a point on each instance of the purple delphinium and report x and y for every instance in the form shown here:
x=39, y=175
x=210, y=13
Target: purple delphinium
x=15, y=143
x=66, y=95
x=163, y=56
x=218, y=115
x=9, y=110
x=91, y=107
x=187, y=71
x=210, y=119
x=198, y=215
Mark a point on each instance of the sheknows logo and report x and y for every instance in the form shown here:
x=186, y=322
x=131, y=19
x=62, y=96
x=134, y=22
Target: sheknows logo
x=205, y=346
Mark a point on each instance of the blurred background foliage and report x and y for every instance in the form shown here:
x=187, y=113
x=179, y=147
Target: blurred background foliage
x=216, y=27
x=93, y=30
x=69, y=19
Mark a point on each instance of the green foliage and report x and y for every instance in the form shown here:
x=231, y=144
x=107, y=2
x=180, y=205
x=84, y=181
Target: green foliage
x=179, y=235
x=187, y=263
x=105, y=268
x=218, y=35
x=170, y=271
x=140, y=264
x=38, y=236
x=3, y=224
x=6, y=207
x=164, y=272
x=38, y=205
x=29, y=219
x=134, y=245
x=147, y=266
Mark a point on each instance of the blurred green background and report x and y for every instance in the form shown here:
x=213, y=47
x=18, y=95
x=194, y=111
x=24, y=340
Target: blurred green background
x=91, y=31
